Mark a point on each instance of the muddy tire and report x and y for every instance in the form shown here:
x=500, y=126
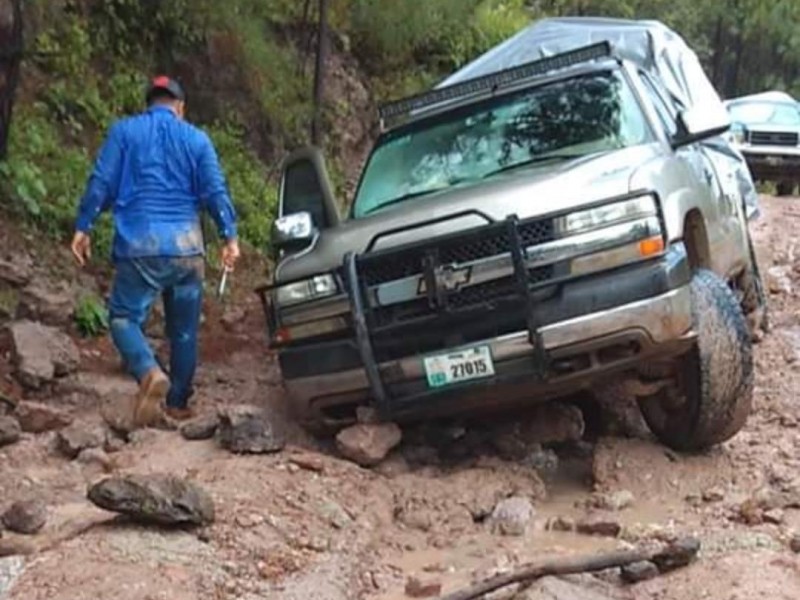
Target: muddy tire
x=713, y=394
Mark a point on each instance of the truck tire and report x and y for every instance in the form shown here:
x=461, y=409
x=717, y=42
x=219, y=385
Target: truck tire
x=784, y=188
x=713, y=394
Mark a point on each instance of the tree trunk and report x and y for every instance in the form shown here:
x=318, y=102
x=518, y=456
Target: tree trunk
x=319, y=73
x=11, y=38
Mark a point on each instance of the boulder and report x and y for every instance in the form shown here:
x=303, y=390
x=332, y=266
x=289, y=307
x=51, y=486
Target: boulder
x=639, y=571
x=26, y=516
x=80, y=436
x=247, y=430
x=42, y=353
x=367, y=444
x=35, y=417
x=200, y=428
x=154, y=499
x=417, y=587
x=53, y=305
x=512, y=516
x=10, y=431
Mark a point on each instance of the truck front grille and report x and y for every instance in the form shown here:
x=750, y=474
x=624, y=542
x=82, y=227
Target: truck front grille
x=389, y=265
x=773, y=138
x=417, y=325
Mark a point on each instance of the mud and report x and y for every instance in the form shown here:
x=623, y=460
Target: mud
x=306, y=524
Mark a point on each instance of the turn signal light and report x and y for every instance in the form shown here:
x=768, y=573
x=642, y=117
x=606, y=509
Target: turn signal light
x=651, y=246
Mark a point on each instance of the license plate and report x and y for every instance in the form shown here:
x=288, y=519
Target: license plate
x=456, y=367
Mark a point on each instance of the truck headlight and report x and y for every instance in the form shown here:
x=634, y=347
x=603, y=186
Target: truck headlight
x=608, y=214
x=320, y=286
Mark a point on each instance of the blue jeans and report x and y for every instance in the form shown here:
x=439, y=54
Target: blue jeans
x=137, y=284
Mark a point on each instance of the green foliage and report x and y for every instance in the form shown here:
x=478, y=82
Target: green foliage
x=91, y=316
x=255, y=198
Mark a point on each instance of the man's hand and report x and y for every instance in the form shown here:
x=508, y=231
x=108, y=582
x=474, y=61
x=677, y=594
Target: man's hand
x=81, y=247
x=230, y=254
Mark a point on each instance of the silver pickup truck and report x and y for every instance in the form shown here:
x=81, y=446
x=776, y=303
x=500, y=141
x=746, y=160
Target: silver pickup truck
x=556, y=215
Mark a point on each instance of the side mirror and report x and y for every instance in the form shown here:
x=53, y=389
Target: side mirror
x=699, y=123
x=293, y=232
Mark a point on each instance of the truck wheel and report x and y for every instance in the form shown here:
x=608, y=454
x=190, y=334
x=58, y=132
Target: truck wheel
x=713, y=394
x=784, y=188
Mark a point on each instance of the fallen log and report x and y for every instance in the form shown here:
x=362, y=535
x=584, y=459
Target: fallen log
x=666, y=558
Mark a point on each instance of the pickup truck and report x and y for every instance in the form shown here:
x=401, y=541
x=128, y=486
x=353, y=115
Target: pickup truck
x=557, y=215
x=766, y=130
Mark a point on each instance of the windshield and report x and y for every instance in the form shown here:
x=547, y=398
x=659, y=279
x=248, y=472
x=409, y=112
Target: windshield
x=774, y=113
x=566, y=119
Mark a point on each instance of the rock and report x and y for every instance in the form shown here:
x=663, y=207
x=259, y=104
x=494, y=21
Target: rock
x=309, y=462
x=10, y=431
x=96, y=457
x=200, y=428
x=246, y=430
x=557, y=588
x=423, y=588
x=794, y=544
x=53, y=305
x=368, y=444
x=677, y=555
x=778, y=280
x=113, y=443
x=774, y=516
x=25, y=516
x=614, y=501
x=10, y=570
x=512, y=516
x=35, y=417
x=80, y=436
x=714, y=494
x=155, y=499
x=640, y=571
x=561, y=524
x=335, y=514
x=17, y=273
x=42, y=353
x=599, y=525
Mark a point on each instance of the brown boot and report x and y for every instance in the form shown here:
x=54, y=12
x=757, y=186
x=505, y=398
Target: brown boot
x=179, y=414
x=152, y=392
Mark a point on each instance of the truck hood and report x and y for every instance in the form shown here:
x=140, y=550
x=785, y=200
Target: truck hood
x=526, y=192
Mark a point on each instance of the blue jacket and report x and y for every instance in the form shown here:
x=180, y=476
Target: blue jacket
x=156, y=173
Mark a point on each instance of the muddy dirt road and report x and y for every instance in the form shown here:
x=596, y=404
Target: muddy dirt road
x=304, y=524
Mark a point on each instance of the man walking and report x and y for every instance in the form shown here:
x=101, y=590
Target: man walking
x=157, y=173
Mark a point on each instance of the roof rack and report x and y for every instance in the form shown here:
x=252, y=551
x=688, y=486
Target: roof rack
x=490, y=83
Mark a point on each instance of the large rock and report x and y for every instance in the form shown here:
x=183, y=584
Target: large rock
x=247, y=430
x=53, y=304
x=15, y=272
x=200, y=428
x=42, y=353
x=154, y=499
x=367, y=444
x=10, y=430
x=80, y=436
x=35, y=417
x=25, y=516
x=512, y=516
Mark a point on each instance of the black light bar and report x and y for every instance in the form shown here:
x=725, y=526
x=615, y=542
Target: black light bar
x=494, y=81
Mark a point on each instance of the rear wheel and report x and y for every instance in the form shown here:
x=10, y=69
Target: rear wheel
x=784, y=188
x=712, y=394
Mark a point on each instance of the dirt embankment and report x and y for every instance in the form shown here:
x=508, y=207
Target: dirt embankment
x=305, y=524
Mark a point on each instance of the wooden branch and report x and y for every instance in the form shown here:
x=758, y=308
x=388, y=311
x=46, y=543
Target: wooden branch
x=666, y=558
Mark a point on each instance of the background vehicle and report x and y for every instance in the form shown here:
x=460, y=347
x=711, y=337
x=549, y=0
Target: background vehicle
x=555, y=214
x=766, y=129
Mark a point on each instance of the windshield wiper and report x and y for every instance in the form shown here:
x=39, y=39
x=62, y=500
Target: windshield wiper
x=531, y=161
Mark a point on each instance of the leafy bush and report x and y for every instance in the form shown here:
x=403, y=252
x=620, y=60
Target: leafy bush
x=91, y=316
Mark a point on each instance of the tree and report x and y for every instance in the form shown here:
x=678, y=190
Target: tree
x=11, y=37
